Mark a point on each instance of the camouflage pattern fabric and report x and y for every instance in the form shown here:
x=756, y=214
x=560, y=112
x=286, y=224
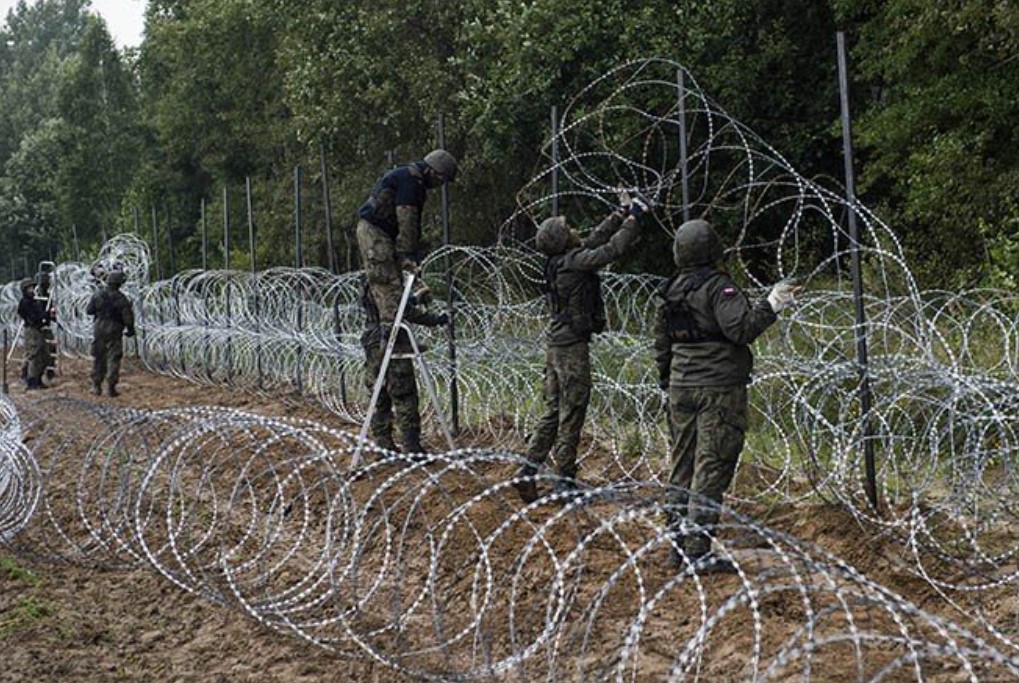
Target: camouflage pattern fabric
x=107, y=352
x=399, y=396
x=565, y=395
x=707, y=426
x=37, y=353
x=113, y=315
x=378, y=257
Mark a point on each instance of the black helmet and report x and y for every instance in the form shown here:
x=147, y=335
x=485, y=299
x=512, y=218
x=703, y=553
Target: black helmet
x=443, y=163
x=553, y=236
x=696, y=244
x=115, y=278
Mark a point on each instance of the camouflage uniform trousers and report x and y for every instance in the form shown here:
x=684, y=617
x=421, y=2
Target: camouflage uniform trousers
x=378, y=257
x=707, y=426
x=37, y=353
x=107, y=352
x=565, y=395
x=399, y=395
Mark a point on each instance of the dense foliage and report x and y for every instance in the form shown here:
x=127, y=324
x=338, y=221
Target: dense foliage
x=223, y=93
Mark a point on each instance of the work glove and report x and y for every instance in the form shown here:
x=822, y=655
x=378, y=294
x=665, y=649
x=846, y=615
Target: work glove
x=408, y=264
x=422, y=295
x=638, y=207
x=625, y=201
x=129, y=332
x=782, y=296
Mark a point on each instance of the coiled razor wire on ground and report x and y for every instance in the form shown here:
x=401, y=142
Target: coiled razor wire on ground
x=942, y=364
x=20, y=479
x=433, y=568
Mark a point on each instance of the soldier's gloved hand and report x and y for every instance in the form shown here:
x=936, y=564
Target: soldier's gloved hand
x=422, y=295
x=625, y=201
x=432, y=320
x=408, y=264
x=638, y=207
x=782, y=296
x=129, y=332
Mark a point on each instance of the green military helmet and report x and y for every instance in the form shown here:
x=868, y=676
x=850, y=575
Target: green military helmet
x=696, y=244
x=26, y=283
x=116, y=278
x=553, y=236
x=443, y=163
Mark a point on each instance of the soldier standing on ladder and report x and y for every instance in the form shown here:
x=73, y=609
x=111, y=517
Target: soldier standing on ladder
x=388, y=236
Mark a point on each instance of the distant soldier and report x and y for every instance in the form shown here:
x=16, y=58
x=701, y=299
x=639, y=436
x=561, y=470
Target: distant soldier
x=703, y=329
x=573, y=291
x=114, y=318
x=389, y=229
x=36, y=318
x=399, y=392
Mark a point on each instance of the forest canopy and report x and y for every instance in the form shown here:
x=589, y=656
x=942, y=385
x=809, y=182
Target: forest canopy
x=226, y=93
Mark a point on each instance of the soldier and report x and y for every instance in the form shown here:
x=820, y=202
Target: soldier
x=36, y=318
x=389, y=228
x=573, y=291
x=114, y=318
x=703, y=328
x=399, y=392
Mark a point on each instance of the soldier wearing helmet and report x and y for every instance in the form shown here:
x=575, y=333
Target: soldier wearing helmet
x=36, y=318
x=388, y=239
x=703, y=328
x=573, y=291
x=114, y=318
x=389, y=229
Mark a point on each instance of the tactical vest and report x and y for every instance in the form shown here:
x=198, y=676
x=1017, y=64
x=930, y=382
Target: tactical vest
x=682, y=324
x=577, y=304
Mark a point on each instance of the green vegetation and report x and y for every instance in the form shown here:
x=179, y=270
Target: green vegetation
x=94, y=140
x=24, y=610
x=12, y=571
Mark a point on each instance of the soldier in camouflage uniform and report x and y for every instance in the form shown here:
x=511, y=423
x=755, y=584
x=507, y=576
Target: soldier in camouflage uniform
x=36, y=317
x=389, y=226
x=573, y=290
x=399, y=393
x=114, y=318
x=703, y=327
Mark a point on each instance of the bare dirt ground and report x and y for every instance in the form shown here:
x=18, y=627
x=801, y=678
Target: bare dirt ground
x=67, y=622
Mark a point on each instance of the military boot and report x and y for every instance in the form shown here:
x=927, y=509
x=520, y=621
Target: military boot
x=113, y=391
x=386, y=442
x=678, y=537
x=412, y=442
x=711, y=563
x=97, y=389
x=525, y=485
x=565, y=486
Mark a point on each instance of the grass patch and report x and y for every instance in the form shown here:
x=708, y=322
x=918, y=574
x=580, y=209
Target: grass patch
x=23, y=614
x=12, y=571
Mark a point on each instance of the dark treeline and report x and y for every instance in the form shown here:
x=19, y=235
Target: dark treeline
x=95, y=141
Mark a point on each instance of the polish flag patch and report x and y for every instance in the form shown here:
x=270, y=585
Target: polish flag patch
x=729, y=291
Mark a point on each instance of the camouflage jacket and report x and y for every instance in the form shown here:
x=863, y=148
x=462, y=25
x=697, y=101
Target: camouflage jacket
x=723, y=322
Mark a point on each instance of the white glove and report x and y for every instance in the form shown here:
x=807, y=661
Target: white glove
x=782, y=295
x=625, y=200
x=638, y=207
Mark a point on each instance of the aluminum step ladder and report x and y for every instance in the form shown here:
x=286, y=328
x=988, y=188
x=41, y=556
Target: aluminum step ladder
x=399, y=323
